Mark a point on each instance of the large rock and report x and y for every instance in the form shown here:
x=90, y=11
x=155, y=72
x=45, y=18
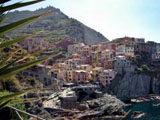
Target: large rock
x=107, y=105
x=131, y=85
x=156, y=86
x=138, y=115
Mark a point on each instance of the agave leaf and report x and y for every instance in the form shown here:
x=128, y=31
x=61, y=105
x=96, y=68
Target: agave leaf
x=33, y=54
x=18, y=5
x=29, y=100
x=35, y=48
x=2, y=16
x=12, y=71
x=12, y=26
x=5, y=103
x=4, y=100
x=4, y=1
x=19, y=59
x=13, y=95
x=8, y=43
x=8, y=66
x=40, y=51
x=3, y=62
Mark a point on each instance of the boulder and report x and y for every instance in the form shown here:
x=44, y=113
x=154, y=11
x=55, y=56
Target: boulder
x=107, y=105
x=138, y=115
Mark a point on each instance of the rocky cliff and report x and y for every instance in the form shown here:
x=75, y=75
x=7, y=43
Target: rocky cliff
x=133, y=85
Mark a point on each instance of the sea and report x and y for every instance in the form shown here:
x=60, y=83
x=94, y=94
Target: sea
x=151, y=108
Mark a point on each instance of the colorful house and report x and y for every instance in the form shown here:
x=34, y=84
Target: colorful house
x=122, y=65
x=107, y=76
x=69, y=74
x=142, y=48
x=108, y=64
x=95, y=73
x=129, y=50
x=80, y=76
x=85, y=67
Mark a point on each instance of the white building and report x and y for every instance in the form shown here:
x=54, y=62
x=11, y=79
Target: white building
x=85, y=67
x=156, y=57
x=127, y=50
x=158, y=48
x=123, y=64
x=120, y=50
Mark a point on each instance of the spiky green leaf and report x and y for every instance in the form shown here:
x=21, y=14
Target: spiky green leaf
x=12, y=71
x=2, y=105
x=2, y=16
x=13, y=26
x=11, y=42
x=4, y=1
x=18, y=5
x=4, y=100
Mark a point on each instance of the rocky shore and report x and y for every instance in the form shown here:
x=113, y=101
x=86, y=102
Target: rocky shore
x=106, y=107
x=132, y=86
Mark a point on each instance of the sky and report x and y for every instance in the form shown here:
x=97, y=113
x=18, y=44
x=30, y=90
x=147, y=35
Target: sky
x=112, y=18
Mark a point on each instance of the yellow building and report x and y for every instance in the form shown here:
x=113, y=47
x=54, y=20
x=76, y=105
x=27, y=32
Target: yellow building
x=95, y=72
x=129, y=50
x=69, y=74
x=96, y=58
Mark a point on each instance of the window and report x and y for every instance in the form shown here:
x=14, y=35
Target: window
x=31, y=75
x=49, y=81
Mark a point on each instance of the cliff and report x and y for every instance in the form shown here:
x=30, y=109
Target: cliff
x=133, y=85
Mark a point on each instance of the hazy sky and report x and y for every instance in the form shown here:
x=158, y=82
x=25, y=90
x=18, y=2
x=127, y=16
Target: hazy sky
x=113, y=18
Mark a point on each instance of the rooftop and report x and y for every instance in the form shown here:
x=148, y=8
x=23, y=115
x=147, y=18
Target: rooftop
x=108, y=70
x=80, y=71
x=97, y=68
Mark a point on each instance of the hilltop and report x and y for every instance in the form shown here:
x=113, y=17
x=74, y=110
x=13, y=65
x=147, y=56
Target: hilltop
x=56, y=26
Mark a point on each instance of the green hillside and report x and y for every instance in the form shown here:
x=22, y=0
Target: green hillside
x=55, y=27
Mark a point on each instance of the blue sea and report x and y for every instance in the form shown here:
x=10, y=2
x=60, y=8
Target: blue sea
x=151, y=108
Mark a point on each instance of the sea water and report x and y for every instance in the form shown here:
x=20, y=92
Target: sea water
x=150, y=108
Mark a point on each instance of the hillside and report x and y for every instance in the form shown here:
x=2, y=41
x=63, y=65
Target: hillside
x=56, y=26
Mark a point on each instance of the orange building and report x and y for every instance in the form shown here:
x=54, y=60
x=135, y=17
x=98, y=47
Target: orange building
x=108, y=64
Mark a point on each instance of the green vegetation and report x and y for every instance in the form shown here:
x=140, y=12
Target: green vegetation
x=56, y=26
x=19, y=104
x=11, y=61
